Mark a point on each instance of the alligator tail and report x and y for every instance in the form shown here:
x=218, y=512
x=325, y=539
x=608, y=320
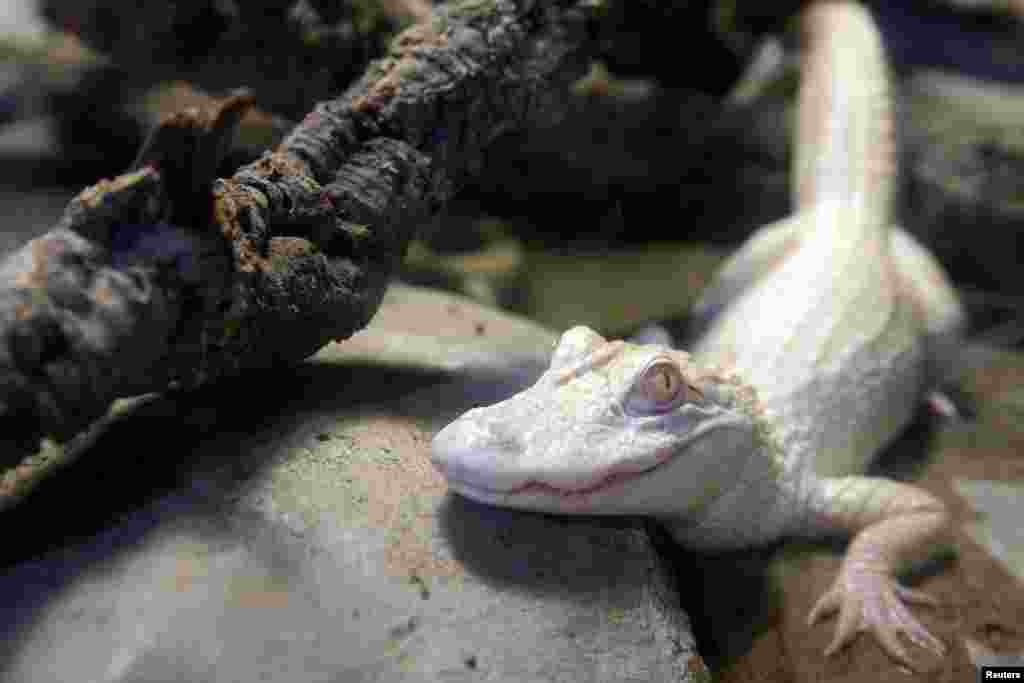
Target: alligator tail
x=845, y=147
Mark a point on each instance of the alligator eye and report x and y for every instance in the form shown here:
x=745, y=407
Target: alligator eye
x=660, y=388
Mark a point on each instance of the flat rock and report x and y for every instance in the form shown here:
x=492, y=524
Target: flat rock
x=289, y=526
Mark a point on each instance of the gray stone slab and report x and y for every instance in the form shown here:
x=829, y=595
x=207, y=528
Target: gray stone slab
x=998, y=530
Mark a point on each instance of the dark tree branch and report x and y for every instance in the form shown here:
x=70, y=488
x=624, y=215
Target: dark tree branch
x=160, y=278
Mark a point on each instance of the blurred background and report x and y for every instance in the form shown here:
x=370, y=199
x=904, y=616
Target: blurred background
x=668, y=159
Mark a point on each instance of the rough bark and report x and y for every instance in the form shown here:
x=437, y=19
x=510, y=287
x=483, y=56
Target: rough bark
x=165, y=276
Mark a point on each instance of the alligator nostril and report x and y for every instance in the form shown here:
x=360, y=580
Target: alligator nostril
x=503, y=437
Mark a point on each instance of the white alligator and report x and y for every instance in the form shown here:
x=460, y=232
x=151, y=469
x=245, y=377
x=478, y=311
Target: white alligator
x=831, y=326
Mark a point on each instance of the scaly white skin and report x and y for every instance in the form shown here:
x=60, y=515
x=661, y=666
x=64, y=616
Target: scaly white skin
x=832, y=324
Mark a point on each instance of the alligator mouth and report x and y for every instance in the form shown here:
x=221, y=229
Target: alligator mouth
x=612, y=479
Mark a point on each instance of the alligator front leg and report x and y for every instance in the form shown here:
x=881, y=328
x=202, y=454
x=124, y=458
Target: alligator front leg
x=892, y=524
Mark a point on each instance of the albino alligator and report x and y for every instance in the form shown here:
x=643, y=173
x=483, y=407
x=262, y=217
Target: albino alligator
x=832, y=324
